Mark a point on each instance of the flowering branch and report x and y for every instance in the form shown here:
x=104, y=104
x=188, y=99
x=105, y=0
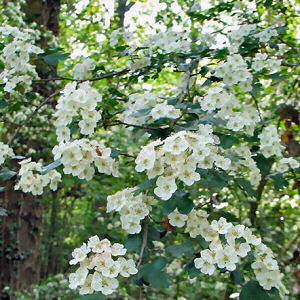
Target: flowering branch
x=104, y=76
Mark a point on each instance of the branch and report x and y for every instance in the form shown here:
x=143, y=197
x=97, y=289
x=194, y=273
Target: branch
x=118, y=122
x=145, y=238
x=104, y=76
x=32, y=115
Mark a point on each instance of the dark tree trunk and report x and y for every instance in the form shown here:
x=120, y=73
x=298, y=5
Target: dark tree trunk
x=20, y=243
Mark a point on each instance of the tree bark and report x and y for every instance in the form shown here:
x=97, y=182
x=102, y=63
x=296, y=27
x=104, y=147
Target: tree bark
x=20, y=241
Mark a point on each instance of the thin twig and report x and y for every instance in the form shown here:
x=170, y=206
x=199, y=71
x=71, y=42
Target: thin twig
x=257, y=107
x=104, y=76
x=145, y=239
x=118, y=122
x=127, y=155
x=32, y=114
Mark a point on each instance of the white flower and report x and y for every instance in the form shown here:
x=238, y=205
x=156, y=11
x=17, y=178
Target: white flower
x=177, y=219
x=78, y=278
x=221, y=226
x=205, y=263
x=166, y=186
x=111, y=268
x=127, y=267
x=79, y=254
x=98, y=246
x=146, y=159
x=226, y=258
x=96, y=283
x=118, y=249
x=251, y=238
x=109, y=285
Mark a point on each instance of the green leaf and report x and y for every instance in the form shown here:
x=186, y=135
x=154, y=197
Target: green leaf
x=114, y=153
x=184, y=204
x=30, y=95
x=1, y=189
x=169, y=206
x=179, y=200
x=279, y=181
x=148, y=184
x=213, y=179
x=186, y=248
x=253, y=291
x=3, y=103
x=142, y=112
x=134, y=242
x=6, y=174
x=237, y=277
x=50, y=167
x=263, y=164
x=276, y=76
x=227, y=141
x=153, y=235
x=90, y=297
x=246, y=186
x=3, y=212
x=54, y=58
x=192, y=270
x=153, y=274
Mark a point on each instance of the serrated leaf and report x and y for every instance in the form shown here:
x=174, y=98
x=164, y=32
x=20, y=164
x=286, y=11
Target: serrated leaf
x=279, y=181
x=263, y=164
x=134, y=242
x=276, y=76
x=186, y=248
x=227, y=141
x=237, y=277
x=6, y=174
x=153, y=274
x=192, y=270
x=3, y=103
x=114, y=153
x=214, y=179
x=142, y=112
x=3, y=212
x=90, y=297
x=50, y=167
x=148, y=184
x=54, y=58
x=253, y=291
x=246, y=186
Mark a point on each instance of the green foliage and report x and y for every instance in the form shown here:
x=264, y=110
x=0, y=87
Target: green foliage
x=253, y=291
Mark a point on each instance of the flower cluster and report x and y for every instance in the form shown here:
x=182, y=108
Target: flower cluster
x=229, y=108
x=32, y=181
x=79, y=155
x=178, y=156
x=16, y=57
x=266, y=34
x=101, y=261
x=235, y=71
x=245, y=160
x=132, y=208
x=237, y=37
x=286, y=162
x=221, y=254
x=270, y=141
x=83, y=99
x=83, y=70
x=169, y=41
x=5, y=151
x=148, y=103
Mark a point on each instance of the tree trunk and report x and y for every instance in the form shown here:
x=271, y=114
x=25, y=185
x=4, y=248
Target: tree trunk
x=20, y=254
